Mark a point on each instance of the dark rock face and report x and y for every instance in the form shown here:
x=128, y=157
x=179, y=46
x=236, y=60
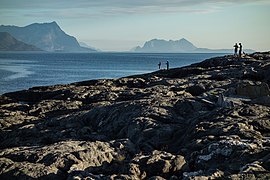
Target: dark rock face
x=205, y=121
x=9, y=43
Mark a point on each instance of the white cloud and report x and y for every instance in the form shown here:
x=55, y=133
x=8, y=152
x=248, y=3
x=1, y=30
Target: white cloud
x=99, y=8
x=121, y=4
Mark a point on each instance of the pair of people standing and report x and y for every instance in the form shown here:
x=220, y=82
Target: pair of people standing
x=167, y=64
x=236, y=49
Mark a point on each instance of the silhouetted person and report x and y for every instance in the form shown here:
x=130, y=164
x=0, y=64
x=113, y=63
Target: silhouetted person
x=167, y=63
x=159, y=65
x=240, y=49
x=235, y=49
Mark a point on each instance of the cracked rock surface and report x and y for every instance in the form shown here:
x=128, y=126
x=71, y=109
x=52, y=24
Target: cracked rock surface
x=208, y=120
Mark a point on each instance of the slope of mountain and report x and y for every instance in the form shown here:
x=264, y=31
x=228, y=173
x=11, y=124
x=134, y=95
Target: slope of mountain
x=9, y=43
x=46, y=36
x=178, y=46
x=83, y=44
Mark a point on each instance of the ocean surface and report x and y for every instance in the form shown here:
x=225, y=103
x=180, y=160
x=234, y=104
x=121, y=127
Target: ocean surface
x=20, y=71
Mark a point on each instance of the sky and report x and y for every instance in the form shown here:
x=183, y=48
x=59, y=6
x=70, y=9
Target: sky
x=120, y=25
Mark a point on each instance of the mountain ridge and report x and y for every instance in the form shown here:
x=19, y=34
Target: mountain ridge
x=46, y=36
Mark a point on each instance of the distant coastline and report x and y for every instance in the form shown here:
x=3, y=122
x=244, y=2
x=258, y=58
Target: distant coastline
x=61, y=42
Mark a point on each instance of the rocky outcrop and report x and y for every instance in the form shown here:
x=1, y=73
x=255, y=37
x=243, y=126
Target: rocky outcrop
x=209, y=120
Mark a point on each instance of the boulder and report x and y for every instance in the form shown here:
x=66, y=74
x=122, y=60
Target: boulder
x=160, y=163
x=196, y=90
x=253, y=89
x=264, y=100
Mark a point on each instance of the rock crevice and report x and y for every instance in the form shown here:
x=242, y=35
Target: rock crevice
x=206, y=120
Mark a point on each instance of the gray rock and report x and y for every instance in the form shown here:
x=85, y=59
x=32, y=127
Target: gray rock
x=204, y=121
x=253, y=89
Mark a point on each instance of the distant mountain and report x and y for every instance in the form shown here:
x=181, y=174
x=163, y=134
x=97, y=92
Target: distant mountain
x=9, y=43
x=160, y=45
x=82, y=44
x=178, y=46
x=46, y=36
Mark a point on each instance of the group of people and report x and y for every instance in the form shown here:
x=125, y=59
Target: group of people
x=236, y=46
x=167, y=64
x=236, y=52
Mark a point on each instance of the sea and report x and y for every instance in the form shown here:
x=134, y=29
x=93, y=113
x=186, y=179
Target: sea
x=19, y=71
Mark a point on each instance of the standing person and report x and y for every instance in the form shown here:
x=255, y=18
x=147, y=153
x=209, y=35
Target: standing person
x=235, y=48
x=240, y=49
x=167, y=63
x=159, y=65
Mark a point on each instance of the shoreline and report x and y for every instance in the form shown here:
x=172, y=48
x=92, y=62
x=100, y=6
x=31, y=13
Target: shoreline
x=206, y=120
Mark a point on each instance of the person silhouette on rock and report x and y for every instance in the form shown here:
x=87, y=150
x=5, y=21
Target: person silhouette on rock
x=159, y=65
x=235, y=49
x=167, y=63
x=240, y=50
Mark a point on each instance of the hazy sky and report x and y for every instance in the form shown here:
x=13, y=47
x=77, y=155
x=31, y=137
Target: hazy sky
x=120, y=25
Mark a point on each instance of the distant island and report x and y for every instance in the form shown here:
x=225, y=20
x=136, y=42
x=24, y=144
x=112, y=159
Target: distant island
x=178, y=46
x=9, y=43
x=46, y=36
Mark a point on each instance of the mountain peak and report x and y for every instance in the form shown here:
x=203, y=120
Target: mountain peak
x=53, y=24
x=46, y=36
x=183, y=39
x=47, y=24
x=160, y=45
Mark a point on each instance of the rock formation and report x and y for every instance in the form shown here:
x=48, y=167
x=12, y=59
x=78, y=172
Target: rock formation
x=208, y=120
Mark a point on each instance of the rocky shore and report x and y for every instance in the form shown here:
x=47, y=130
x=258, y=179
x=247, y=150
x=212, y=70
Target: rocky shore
x=209, y=120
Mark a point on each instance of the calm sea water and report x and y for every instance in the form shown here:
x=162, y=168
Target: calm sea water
x=24, y=70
